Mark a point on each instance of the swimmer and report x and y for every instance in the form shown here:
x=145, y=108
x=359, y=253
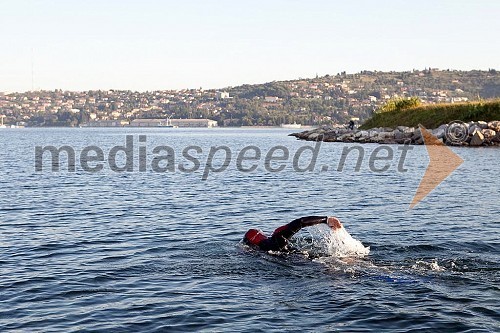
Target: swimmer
x=279, y=240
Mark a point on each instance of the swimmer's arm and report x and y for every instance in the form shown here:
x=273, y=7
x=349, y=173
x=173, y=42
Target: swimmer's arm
x=308, y=221
x=288, y=230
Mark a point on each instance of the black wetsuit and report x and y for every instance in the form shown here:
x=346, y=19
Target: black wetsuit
x=279, y=239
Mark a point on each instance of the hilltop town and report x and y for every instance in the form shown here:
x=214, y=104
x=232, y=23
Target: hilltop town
x=327, y=99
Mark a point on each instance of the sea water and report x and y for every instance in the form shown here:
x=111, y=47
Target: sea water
x=151, y=252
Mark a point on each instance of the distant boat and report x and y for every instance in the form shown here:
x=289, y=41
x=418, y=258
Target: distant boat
x=294, y=125
x=168, y=124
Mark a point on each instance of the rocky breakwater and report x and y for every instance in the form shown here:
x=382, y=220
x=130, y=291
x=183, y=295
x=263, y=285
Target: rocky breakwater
x=478, y=133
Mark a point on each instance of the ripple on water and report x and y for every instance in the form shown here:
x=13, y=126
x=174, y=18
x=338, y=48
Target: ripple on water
x=162, y=252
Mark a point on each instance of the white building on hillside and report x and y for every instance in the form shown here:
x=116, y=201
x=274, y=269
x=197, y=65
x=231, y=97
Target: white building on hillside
x=173, y=122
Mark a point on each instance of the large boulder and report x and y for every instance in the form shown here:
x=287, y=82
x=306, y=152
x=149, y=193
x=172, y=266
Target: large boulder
x=386, y=135
x=417, y=132
x=489, y=135
x=482, y=124
x=408, y=135
x=402, y=128
x=473, y=128
x=320, y=130
x=330, y=137
x=363, y=135
x=494, y=125
x=418, y=141
x=315, y=136
x=399, y=135
x=417, y=137
x=439, y=132
x=410, y=130
x=347, y=137
x=477, y=139
x=496, y=139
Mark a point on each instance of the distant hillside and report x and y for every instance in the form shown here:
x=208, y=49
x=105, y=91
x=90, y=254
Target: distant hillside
x=432, y=116
x=325, y=100
x=338, y=98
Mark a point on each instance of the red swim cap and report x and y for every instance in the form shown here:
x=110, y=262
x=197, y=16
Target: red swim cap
x=254, y=236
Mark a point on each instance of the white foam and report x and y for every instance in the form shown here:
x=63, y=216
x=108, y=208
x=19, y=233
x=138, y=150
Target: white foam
x=341, y=244
x=327, y=243
x=428, y=265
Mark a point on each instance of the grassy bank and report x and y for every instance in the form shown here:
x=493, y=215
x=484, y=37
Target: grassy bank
x=432, y=116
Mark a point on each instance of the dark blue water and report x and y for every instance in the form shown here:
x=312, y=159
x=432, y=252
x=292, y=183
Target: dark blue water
x=148, y=251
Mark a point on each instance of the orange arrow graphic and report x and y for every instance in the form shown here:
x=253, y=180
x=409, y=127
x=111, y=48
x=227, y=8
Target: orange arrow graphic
x=442, y=162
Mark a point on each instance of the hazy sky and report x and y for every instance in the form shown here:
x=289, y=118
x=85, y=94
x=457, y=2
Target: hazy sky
x=149, y=45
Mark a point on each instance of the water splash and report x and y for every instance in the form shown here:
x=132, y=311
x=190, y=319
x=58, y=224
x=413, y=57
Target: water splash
x=342, y=244
x=431, y=265
x=326, y=242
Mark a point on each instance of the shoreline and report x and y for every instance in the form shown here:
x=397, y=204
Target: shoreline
x=471, y=134
x=161, y=127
